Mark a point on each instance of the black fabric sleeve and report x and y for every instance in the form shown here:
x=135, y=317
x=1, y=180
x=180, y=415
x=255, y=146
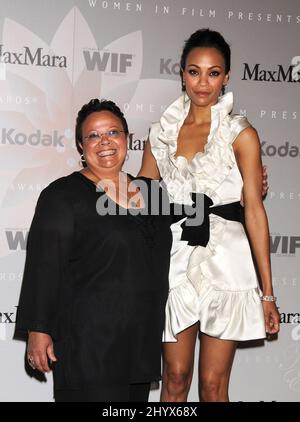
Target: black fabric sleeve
x=48, y=253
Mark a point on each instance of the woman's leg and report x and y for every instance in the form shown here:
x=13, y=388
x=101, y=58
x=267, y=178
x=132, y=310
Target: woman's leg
x=178, y=366
x=215, y=363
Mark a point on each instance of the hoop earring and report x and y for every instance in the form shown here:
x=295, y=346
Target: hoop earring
x=82, y=159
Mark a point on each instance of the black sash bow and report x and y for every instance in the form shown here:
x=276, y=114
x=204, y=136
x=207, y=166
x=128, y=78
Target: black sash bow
x=198, y=235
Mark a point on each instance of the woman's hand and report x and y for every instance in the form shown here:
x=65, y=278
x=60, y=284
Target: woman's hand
x=272, y=317
x=39, y=350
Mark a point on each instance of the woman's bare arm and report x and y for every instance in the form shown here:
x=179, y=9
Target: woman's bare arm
x=149, y=167
x=248, y=156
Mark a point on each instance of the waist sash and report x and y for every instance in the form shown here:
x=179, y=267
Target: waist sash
x=198, y=235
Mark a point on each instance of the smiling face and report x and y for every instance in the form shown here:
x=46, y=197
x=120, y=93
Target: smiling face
x=104, y=154
x=204, y=75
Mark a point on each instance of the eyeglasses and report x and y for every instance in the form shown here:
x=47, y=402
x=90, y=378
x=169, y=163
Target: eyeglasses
x=96, y=136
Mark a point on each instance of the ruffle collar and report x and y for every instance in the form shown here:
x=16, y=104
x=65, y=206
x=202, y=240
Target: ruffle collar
x=174, y=116
x=208, y=168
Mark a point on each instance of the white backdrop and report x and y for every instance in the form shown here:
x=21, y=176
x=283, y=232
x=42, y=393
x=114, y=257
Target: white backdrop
x=55, y=56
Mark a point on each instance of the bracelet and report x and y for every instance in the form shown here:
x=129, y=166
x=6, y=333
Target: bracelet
x=268, y=298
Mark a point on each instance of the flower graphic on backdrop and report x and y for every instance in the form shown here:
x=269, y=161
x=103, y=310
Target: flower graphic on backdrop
x=57, y=78
x=37, y=139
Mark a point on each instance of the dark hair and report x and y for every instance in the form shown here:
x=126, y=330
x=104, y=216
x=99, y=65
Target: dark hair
x=205, y=38
x=93, y=106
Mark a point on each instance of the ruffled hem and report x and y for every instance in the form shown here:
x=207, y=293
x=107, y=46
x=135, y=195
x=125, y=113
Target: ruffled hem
x=181, y=310
x=232, y=315
x=227, y=315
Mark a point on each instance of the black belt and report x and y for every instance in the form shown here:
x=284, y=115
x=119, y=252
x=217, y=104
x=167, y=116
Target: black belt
x=199, y=234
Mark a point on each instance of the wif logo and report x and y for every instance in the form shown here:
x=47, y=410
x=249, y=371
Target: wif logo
x=28, y=57
x=16, y=239
x=107, y=62
x=284, y=245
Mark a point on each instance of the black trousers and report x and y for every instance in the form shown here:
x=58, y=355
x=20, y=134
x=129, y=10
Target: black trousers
x=129, y=393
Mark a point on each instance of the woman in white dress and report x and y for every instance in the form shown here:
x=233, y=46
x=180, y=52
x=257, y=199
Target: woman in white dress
x=197, y=146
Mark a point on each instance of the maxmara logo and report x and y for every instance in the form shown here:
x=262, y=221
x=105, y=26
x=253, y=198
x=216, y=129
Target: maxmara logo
x=7, y=321
x=27, y=57
x=135, y=144
x=7, y=317
x=106, y=61
x=284, y=245
x=13, y=137
x=289, y=318
x=279, y=74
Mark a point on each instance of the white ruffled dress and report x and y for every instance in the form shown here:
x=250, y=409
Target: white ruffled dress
x=217, y=284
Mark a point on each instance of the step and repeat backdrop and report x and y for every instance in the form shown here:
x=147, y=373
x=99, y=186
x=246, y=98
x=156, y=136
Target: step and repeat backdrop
x=57, y=55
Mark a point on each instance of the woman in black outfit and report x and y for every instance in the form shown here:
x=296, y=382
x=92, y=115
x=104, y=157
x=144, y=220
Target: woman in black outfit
x=95, y=284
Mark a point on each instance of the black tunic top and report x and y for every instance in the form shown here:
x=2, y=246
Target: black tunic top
x=98, y=285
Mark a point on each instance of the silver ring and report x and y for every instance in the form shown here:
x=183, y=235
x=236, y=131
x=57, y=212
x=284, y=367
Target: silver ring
x=31, y=360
